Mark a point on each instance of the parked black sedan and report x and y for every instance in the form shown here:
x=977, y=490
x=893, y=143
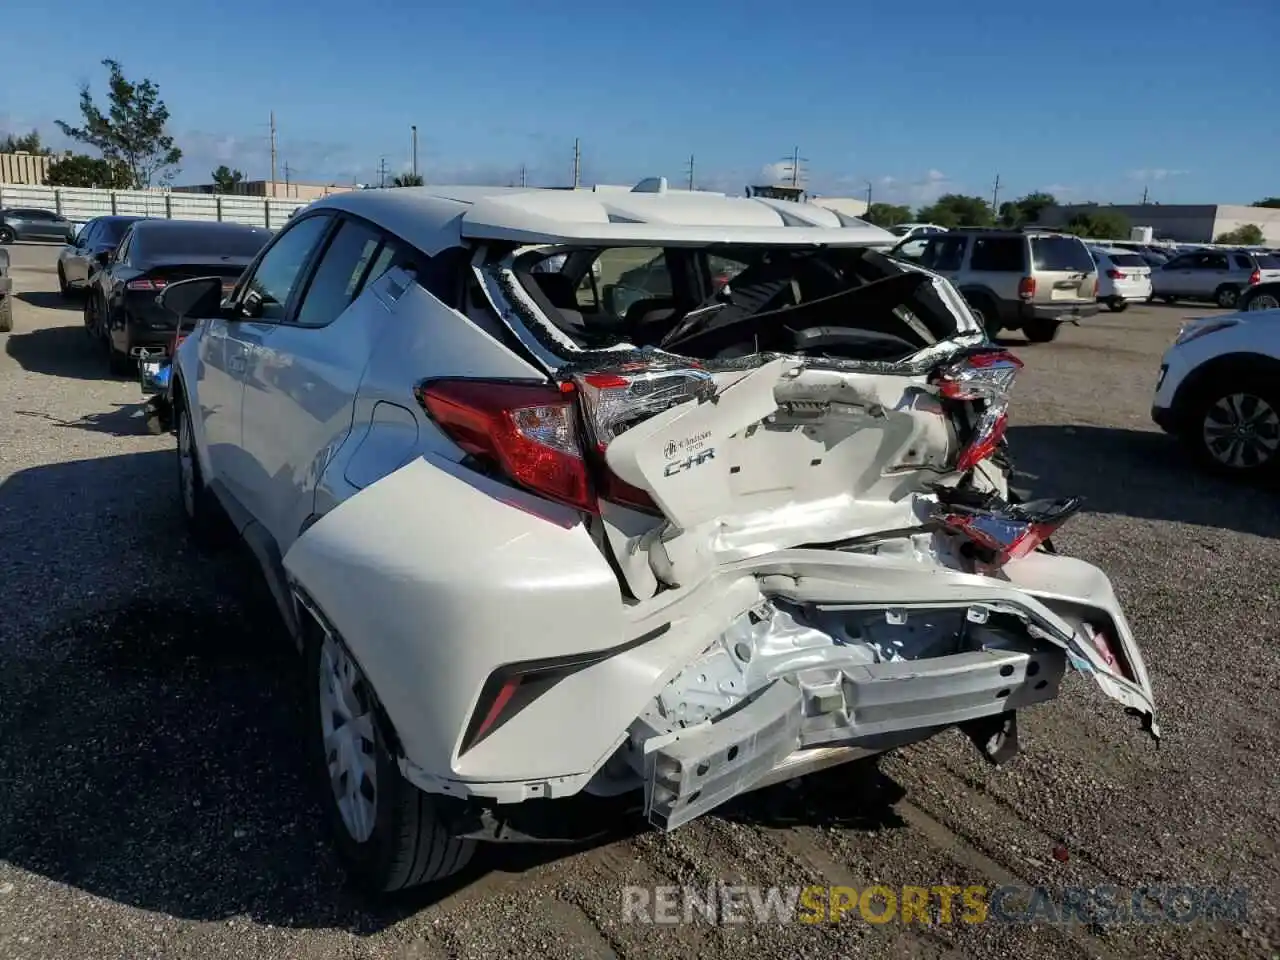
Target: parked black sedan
x=120, y=308
x=81, y=257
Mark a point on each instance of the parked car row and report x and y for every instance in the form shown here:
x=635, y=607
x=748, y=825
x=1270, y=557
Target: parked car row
x=117, y=265
x=31, y=223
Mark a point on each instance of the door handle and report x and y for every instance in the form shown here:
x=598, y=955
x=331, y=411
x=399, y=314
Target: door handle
x=236, y=365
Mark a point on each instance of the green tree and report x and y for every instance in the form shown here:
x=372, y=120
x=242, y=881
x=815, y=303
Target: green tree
x=1272, y=202
x=132, y=131
x=80, y=170
x=225, y=180
x=886, y=214
x=957, y=210
x=1015, y=213
x=1099, y=225
x=30, y=143
x=1247, y=236
x=407, y=180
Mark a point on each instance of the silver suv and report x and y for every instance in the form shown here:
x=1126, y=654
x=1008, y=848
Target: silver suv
x=1024, y=280
x=1217, y=275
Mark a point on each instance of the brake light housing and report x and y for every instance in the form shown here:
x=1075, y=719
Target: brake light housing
x=1115, y=274
x=1255, y=278
x=528, y=431
x=1027, y=288
x=616, y=399
x=144, y=283
x=986, y=378
x=1008, y=532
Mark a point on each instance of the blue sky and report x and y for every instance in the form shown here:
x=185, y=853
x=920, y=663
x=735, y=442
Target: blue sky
x=919, y=97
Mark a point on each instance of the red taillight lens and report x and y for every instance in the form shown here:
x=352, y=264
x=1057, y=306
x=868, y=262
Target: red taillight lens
x=1115, y=274
x=1255, y=278
x=144, y=283
x=1009, y=532
x=986, y=377
x=527, y=430
x=1027, y=288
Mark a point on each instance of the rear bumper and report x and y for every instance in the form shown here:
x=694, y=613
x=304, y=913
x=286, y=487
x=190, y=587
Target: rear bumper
x=1060, y=313
x=801, y=722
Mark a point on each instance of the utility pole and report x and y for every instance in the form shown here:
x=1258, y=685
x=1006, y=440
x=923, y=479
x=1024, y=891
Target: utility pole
x=995, y=196
x=794, y=162
x=524, y=175
x=868, y=194
x=414, y=128
x=382, y=171
x=286, y=178
x=691, y=172
x=273, y=153
x=1144, y=196
x=577, y=163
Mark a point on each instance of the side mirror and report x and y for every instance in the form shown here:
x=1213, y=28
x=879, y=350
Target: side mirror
x=199, y=297
x=103, y=257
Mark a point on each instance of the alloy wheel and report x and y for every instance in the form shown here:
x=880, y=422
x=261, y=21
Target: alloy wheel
x=346, y=719
x=1264, y=301
x=1242, y=431
x=186, y=465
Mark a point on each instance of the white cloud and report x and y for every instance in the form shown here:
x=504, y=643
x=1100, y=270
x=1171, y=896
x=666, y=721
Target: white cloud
x=1155, y=173
x=914, y=191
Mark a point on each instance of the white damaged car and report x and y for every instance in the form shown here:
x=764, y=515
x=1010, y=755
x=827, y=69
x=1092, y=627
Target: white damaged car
x=718, y=499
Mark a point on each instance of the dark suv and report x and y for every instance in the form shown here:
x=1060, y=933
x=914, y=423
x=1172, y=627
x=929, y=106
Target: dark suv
x=1028, y=280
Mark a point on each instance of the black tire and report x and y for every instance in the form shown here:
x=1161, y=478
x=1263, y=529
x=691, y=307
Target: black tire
x=1117, y=306
x=6, y=314
x=7, y=235
x=63, y=289
x=986, y=313
x=206, y=523
x=1259, y=300
x=1170, y=300
x=409, y=845
x=1227, y=296
x=1040, y=331
x=1211, y=404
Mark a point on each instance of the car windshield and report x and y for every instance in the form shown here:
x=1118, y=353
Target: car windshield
x=199, y=241
x=1060, y=253
x=718, y=301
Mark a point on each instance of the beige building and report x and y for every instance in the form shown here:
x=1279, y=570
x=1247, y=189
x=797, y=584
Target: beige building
x=279, y=189
x=29, y=169
x=1183, y=222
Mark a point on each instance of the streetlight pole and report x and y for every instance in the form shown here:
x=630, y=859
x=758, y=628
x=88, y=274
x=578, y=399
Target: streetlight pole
x=414, y=128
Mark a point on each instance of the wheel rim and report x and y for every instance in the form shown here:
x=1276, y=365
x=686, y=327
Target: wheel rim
x=1227, y=298
x=347, y=725
x=1242, y=431
x=186, y=465
x=1264, y=302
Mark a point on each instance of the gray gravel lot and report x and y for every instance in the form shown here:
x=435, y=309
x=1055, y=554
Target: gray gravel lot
x=152, y=802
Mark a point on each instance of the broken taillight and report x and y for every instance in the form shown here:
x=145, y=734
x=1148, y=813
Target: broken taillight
x=1007, y=532
x=615, y=400
x=528, y=431
x=986, y=377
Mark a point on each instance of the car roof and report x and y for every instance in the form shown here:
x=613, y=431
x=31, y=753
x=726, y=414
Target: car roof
x=213, y=226
x=437, y=217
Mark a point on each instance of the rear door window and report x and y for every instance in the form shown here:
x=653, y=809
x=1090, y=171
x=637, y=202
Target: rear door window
x=943, y=253
x=1242, y=262
x=1001, y=255
x=338, y=275
x=1061, y=254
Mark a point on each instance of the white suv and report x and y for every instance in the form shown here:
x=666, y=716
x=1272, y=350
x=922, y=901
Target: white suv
x=1123, y=277
x=542, y=551
x=1219, y=392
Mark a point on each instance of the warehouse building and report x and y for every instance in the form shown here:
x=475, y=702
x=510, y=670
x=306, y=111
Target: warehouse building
x=1183, y=222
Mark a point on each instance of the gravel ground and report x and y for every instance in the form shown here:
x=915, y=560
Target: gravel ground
x=152, y=802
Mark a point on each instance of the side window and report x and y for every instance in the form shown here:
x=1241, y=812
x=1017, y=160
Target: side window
x=949, y=252
x=624, y=275
x=997, y=255
x=392, y=254
x=1216, y=261
x=1243, y=262
x=122, y=249
x=337, y=277
x=87, y=233
x=266, y=295
x=1179, y=263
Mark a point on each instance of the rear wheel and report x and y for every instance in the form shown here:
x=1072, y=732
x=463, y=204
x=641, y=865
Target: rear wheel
x=1226, y=296
x=1263, y=301
x=386, y=830
x=985, y=312
x=1233, y=426
x=1040, y=331
x=1117, y=305
x=7, y=235
x=198, y=506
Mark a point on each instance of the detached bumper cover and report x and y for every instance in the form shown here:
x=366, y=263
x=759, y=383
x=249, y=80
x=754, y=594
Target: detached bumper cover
x=874, y=706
